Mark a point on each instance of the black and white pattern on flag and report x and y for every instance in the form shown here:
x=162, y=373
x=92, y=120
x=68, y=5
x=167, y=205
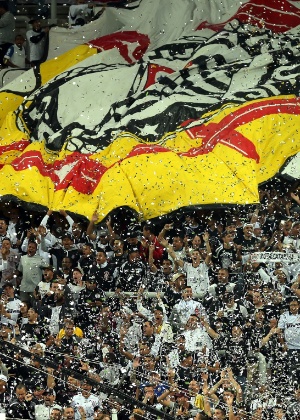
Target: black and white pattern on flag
x=189, y=78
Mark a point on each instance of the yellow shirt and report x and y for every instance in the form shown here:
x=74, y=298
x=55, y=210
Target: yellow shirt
x=77, y=331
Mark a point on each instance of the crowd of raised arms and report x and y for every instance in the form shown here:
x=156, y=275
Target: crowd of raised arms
x=195, y=315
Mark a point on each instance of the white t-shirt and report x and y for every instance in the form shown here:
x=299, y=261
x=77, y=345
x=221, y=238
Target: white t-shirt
x=291, y=326
x=13, y=308
x=36, y=50
x=79, y=11
x=88, y=404
x=197, y=278
x=17, y=56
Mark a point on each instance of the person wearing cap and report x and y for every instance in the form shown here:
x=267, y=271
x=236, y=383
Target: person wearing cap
x=84, y=402
x=7, y=30
x=44, y=410
x=132, y=238
x=37, y=39
x=66, y=249
x=103, y=237
x=44, y=285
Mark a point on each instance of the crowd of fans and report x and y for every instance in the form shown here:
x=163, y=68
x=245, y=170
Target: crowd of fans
x=195, y=314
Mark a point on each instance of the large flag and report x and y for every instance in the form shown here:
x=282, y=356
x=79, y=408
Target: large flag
x=188, y=105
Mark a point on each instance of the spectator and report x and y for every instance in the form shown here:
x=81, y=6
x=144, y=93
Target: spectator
x=21, y=406
x=45, y=410
x=10, y=305
x=66, y=249
x=7, y=31
x=10, y=262
x=196, y=271
x=30, y=267
x=103, y=272
x=15, y=56
x=132, y=274
x=80, y=13
x=37, y=38
x=84, y=402
x=289, y=323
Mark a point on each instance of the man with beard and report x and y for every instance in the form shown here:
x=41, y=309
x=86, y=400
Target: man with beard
x=30, y=267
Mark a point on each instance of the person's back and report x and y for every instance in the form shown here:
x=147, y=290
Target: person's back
x=80, y=13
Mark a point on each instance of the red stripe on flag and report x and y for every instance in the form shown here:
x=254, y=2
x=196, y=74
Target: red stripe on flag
x=276, y=15
x=122, y=41
x=19, y=145
x=76, y=169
